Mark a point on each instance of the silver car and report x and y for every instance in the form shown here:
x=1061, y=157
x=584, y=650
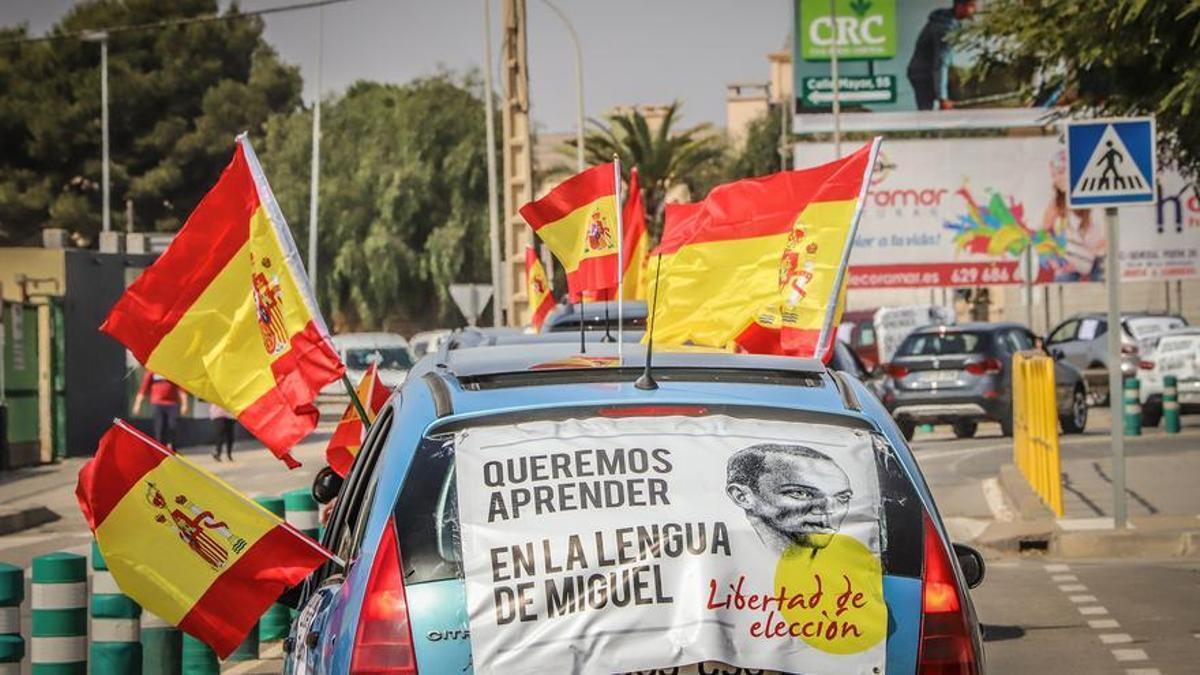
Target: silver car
x=1082, y=341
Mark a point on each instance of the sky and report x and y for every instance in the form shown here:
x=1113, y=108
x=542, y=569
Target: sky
x=634, y=51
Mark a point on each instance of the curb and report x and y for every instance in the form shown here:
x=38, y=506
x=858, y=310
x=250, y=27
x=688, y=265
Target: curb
x=1037, y=529
x=17, y=520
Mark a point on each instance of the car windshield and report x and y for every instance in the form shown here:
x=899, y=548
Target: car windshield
x=941, y=344
x=385, y=358
x=531, y=479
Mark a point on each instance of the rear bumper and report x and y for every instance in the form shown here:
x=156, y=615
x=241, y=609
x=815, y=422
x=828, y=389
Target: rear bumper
x=940, y=412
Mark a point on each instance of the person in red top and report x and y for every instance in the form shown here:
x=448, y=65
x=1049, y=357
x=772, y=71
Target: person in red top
x=167, y=402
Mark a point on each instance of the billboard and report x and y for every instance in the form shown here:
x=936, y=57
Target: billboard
x=961, y=212
x=895, y=57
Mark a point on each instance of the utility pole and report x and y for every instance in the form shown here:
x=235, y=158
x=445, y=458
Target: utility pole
x=314, y=194
x=1116, y=382
x=517, y=156
x=578, y=82
x=105, y=184
x=489, y=108
x=837, y=87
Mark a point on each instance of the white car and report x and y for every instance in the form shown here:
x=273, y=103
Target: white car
x=388, y=351
x=426, y=342
x=1177, y=353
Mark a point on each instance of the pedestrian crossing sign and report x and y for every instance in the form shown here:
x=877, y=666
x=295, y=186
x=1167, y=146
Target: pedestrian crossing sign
x=1111, y=162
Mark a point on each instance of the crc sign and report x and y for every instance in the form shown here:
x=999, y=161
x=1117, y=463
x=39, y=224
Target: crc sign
x=862, y=29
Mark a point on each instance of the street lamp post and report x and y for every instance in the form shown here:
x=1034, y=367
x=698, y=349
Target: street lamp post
x=315, y=170
x=489, y=109
x=578, y=82
x=105, y=216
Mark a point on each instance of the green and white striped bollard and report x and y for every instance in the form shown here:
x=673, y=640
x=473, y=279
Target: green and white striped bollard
x=274, y=623
x=1170, y=404
x=116, y=627
x=1132, y=408
x=199, y=658
x=59, y=635
x=162, y=646
x=301, y=511
x=12, y=594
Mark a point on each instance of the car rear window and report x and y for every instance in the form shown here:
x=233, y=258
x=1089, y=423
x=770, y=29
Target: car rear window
x=426, y=511
x=942, y=344
x=1152, y=326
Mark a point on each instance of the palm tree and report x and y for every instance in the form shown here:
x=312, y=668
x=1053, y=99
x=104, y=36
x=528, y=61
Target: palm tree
x=664, y=156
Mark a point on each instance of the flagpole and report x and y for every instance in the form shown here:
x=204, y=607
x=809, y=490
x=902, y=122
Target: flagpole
x=620, y=261
x=358, y=406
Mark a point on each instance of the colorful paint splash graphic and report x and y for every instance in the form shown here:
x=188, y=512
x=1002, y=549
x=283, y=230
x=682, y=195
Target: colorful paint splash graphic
x=998, y=230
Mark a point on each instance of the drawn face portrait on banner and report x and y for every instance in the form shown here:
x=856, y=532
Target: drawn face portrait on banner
x=793, y=495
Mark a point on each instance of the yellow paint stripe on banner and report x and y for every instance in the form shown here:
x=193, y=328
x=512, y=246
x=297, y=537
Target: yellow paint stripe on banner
x=146, y=551
x=217, y=350
x=567, y=237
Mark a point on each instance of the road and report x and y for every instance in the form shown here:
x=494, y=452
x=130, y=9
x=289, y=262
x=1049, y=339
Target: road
x=1137, y=617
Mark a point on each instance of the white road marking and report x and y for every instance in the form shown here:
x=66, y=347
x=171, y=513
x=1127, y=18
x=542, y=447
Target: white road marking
x=1130, y=654
x=1087, y=524
x=1103, y=624
x=1072, y=588
x=1057, y=578
x=1093, y=610
x=1058, y=567
x=1142, y=671
x=994, y=496
x=1115, y=638
x=1083, y=598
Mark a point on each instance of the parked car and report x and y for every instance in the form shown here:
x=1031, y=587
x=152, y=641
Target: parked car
x=568, y=317
x=1177, y=353
x=962, y=375
x=1082, y=340
x=425, y=342
x=400, y=603
x=388, y=351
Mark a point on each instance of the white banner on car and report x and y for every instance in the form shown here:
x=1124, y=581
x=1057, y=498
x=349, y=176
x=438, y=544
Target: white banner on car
x=611, y=545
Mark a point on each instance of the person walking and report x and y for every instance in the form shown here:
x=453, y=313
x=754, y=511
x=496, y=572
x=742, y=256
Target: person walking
x=167, y=402
x=223, y=423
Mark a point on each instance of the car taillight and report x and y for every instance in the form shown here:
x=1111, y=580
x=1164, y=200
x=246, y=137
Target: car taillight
x=383, y=643
x=984, y=367
x=946, y=644
x=893, y=370
x=654, y=411
x=1129, y=349
x=1146, y=365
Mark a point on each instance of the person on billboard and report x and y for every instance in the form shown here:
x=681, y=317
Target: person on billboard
x=793, y=496
x=929, y=67
x=1083, y=242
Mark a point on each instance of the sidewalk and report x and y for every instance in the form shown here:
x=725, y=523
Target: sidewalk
x=1162, y=501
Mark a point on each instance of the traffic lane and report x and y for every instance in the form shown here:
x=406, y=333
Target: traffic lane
x=1029, y=625
x=1097, y=616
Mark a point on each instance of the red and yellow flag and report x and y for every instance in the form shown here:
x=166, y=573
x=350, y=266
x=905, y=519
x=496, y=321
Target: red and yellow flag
x=537, y=289
x=184, y=544
x=810, y=292
x=227, y=314
x=348, y=436
x=578, y=221
x=635, y=242
x=721, y=263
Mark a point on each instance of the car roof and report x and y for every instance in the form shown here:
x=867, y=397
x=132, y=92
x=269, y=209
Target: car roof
x=1124, y=315
x=635, y=309
x=977, y=326
x=377, y=339
x=1182, y=331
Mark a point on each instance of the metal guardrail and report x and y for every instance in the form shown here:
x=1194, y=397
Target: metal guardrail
x=1035, y=426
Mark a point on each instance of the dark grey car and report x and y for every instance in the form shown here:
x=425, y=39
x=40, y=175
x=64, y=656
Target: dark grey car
x=962, y=375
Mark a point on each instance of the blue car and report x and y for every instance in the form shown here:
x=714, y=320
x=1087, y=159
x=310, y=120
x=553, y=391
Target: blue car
x=401, y=604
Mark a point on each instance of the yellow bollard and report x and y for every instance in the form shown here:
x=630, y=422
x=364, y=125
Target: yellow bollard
x=1035, y=427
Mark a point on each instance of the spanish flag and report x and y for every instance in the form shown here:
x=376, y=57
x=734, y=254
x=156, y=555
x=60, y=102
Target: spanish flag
x=635, y=242
x=348, y=436
x=537, y=289
x=722, y=263
x=578, y=221
x=227, y=314
x=802, y=316
x=185, y=545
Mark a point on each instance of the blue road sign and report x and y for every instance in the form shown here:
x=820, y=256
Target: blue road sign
x=1111, y=162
